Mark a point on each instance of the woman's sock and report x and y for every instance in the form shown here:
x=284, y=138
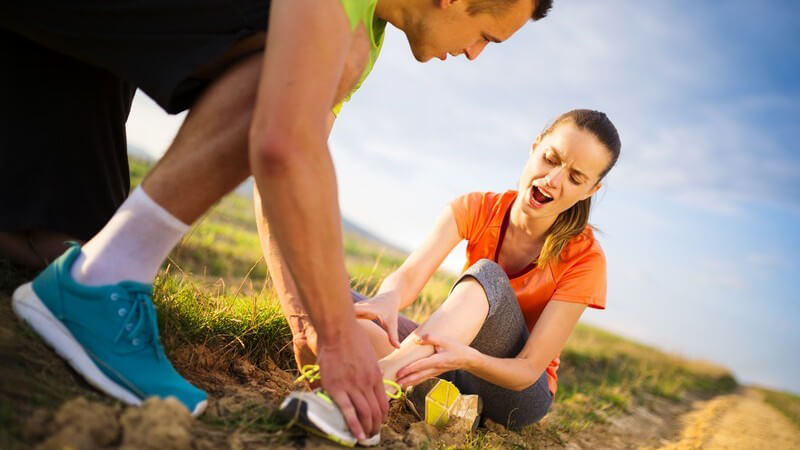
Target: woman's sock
x=132, y=245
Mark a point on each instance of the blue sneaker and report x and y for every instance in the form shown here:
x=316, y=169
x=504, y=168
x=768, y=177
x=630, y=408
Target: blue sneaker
x=108, y=334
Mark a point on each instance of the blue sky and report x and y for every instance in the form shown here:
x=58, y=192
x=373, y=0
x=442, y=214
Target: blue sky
x=700, y=218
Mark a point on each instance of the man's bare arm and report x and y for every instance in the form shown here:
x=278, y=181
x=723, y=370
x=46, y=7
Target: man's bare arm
x=303, y=334
x=307, y=45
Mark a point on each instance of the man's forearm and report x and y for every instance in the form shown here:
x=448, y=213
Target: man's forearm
x=298, y=191
x=282, y=282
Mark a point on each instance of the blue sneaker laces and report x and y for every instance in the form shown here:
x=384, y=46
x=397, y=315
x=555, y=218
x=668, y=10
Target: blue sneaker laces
x=140, y=325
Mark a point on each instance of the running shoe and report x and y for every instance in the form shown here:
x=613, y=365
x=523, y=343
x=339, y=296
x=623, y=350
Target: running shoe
x=438, y=401
x=108, y=334
x=317, y=413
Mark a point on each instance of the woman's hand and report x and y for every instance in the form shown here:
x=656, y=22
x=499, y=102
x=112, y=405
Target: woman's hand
x=449, y=354
x=383, y=308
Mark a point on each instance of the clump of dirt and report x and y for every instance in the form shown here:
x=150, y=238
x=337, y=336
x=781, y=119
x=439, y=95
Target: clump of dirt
x=83, y=424
x=499, y=436
x=391, y=438
x=404, y=430
x=400, y=418
x=79, y=423
x=157, y=424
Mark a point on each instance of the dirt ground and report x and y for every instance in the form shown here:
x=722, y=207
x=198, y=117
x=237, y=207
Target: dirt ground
x=737, y=421
x=240, y=415
x=244, y=396
x=650, y=424
x=48, y=406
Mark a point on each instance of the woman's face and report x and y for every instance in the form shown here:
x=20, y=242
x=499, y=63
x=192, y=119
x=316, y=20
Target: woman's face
x=563, y=168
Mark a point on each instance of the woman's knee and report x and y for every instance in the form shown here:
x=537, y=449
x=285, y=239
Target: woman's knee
x=504, y=331
x=494, y=281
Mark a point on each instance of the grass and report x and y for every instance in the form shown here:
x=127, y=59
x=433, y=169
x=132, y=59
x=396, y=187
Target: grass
x=601, y=374
x=785, y=402
x=214, y=291
x=249, y=326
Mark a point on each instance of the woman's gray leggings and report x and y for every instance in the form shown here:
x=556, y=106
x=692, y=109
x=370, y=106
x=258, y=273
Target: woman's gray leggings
x=503, y=335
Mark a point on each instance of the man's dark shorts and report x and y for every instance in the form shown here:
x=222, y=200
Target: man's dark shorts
x=70, y=69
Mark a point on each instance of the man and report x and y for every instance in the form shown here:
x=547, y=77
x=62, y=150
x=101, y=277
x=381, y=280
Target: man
x=255, y=108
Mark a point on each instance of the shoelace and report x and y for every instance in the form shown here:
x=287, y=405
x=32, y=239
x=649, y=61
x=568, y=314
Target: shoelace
x=311, y=373
x=140, y=323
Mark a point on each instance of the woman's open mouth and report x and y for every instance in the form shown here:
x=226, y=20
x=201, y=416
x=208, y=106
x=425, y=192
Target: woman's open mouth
x=539, y=198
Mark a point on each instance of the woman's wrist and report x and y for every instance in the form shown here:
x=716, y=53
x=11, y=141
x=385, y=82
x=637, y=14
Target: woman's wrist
x=391, y=296
x=473, y=359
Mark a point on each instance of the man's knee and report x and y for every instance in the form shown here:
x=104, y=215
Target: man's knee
x=223, y=114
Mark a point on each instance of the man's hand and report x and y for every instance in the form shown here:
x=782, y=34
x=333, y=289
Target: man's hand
x=383, y=308
x=353, y=380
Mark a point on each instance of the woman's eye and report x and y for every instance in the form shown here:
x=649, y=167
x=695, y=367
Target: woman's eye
x=575, y=180
x=548, y=160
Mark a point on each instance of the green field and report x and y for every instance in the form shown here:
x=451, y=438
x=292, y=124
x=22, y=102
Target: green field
x=216, y=310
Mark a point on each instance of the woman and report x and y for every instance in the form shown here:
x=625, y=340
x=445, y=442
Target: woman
x=533, y=266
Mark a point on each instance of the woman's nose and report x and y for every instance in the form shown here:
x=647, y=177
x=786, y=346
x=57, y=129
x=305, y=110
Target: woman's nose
x=555, y=176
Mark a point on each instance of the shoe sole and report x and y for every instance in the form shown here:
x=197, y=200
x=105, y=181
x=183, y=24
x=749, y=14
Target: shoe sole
x=295, y=411
x=29, y=308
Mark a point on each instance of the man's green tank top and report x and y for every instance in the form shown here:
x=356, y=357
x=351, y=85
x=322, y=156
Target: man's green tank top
x=363, y=12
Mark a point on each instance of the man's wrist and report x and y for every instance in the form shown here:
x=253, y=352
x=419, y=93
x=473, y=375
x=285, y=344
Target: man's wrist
x=335, y=330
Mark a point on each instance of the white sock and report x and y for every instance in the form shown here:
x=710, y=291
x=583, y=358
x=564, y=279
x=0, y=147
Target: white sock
x=132, y=245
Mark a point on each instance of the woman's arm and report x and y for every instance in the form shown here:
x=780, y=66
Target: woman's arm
x=408, y=280
x=545, y=342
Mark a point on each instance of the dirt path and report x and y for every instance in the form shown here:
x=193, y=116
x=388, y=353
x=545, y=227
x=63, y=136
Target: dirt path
x=736, y=421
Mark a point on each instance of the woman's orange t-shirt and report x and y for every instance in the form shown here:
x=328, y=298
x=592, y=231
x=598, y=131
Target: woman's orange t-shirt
x=579, y=276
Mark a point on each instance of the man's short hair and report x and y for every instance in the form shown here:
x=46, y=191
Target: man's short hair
x=499, y=6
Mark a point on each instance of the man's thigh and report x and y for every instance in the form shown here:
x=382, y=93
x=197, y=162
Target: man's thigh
x=158, y=45
x=63, y=155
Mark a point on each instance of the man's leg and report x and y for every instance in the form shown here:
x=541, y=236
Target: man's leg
x=35, y=249
x=106, y=328
x=207, y=159
x=75, y=177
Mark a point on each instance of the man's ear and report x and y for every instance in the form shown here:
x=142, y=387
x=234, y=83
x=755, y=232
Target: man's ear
x=592, y=191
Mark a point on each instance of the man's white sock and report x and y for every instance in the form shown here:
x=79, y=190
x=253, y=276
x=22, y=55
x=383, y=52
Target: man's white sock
x=132, y=245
